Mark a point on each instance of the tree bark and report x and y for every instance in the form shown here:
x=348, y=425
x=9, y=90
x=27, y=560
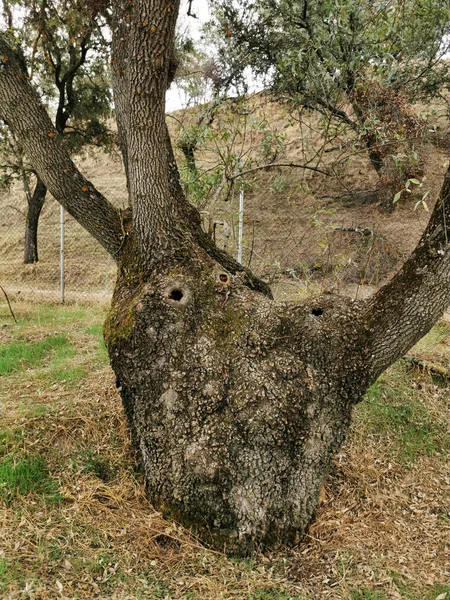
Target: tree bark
x=236, y=404
x=35, y=205
x=22, y=110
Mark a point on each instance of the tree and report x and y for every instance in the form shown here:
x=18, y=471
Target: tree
x=68, y=54
x=352, y=61
x=236, y=405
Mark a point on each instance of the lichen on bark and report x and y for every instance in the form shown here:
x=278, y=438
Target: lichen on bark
x=236, y=405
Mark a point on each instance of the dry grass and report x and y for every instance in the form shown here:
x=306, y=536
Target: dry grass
x=383, y=529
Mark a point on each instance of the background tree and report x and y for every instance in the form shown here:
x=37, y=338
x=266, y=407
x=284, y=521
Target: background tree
x=68, y=62
x=357, y=62
x=236, y=405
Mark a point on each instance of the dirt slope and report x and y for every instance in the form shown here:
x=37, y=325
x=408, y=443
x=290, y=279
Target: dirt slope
x=298, y=224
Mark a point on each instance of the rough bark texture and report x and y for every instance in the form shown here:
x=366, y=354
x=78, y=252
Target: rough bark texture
x=35, y=205
x=237, y=405
x=143, y=34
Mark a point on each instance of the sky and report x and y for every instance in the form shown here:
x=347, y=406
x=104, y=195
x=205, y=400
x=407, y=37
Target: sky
x=175, y=98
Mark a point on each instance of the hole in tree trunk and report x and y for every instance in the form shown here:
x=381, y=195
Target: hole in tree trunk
x=317, y=312
x=176, y=295
x=223, y=277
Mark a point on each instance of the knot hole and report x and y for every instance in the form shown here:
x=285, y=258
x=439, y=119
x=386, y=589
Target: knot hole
x=176, y=294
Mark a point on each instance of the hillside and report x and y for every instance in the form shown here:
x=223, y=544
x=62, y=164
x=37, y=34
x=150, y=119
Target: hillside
x=302, y=229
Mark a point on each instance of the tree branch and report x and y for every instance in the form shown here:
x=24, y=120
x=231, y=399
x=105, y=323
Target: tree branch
x=21, y=108
x=275, y=165
x=406, y=308
x=9, y=304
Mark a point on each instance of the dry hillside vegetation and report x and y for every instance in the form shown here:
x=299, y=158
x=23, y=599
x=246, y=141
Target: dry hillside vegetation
x=299, y=225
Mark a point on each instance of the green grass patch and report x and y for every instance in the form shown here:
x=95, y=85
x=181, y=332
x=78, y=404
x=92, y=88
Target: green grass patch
x=408, y=593
x=438, y=590
x=97, y=331
x=102, y=353
x=69, y=325
x=7, y=575
x=393, y=409
x=21, y=355
x=10, y=440
x=65, y=373
x=33, y=410
x=98, y=465
x=367, y=594
x=437, y=335
x=48, y=315
x=19, y=477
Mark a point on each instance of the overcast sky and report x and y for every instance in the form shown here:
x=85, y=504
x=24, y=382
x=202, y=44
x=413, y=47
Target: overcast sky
x=175, y=99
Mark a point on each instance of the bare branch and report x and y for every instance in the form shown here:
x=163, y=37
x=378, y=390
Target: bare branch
x=9, y=304
x=274, y=166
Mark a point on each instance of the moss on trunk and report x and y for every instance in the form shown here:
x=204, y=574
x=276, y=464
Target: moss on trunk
x=236, y=405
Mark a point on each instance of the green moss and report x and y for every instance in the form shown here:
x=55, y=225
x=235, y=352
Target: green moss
x=121, y=318
x=227, y=327
x=118, y=325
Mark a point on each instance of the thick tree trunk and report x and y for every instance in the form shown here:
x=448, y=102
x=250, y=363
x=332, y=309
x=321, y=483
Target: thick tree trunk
x=188, y=149
x=35, y=206
x=236, y=405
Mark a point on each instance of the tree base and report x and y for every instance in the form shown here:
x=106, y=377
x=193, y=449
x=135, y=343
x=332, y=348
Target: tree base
x=236, y=405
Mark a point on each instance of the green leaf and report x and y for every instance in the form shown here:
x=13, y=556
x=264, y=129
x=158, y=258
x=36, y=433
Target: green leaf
x=397, y=197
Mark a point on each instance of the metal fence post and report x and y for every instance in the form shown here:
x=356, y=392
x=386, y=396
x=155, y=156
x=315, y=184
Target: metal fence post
x=241, y=225
x=61, y=254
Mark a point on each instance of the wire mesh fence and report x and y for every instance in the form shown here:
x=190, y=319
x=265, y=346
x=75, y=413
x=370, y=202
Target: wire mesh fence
x=83, y=272
x=298, y=249
x=322, y=246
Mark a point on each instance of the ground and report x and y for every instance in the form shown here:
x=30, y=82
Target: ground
x=75, y=522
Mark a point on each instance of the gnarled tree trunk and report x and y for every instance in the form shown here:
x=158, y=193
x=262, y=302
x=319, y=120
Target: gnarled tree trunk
x=236, y=404
x=35, y=205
